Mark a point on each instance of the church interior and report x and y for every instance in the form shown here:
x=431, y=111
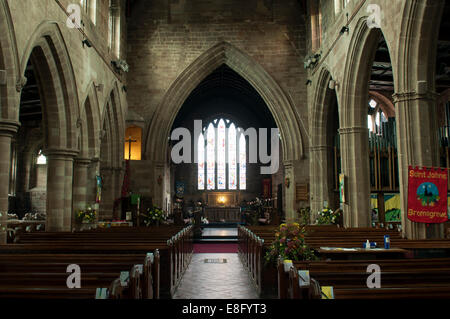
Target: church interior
x=224, y=149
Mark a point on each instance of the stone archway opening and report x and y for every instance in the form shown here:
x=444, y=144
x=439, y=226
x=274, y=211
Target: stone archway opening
x=278, y=102
x=325, y=161
x=221, y=104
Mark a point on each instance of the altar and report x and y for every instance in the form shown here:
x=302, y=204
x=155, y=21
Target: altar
x=223, y=214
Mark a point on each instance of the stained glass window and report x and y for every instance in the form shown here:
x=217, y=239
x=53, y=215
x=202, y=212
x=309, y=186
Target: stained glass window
x=232, y=149
x=242, y=163
x=211, y=157
x=201, y=162
x=221, y=156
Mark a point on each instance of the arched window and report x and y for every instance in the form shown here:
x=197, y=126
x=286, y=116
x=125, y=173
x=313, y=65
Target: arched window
x=375, y=118
x=133, y=143
x=201, y=162
x=222, y=155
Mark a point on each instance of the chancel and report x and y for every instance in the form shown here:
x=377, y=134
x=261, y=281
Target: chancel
x=224, y=149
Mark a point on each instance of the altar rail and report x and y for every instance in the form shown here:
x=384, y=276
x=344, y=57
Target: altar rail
x=223, y=214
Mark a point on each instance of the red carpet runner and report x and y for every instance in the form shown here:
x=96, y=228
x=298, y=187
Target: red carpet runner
x=215, y=248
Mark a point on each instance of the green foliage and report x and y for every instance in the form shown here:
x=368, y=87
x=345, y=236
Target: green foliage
x=393, y=215
x=87, y=215
x=289, y=244
x=153, y=216
x=327, y=216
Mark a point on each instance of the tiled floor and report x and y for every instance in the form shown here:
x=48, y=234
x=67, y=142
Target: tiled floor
x=216, y=281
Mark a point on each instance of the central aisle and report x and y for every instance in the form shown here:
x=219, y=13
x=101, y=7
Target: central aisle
x=211, y=280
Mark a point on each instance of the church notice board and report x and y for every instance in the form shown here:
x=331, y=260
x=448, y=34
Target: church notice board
x=302, y=192
x=427, y=195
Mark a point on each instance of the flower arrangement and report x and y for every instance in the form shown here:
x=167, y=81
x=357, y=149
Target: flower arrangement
x=86, y=216
x=327, y=216
x=153, y=216
x=289, y=244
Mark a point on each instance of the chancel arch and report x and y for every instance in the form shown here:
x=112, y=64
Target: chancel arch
x=278, y=102
x=222, y=173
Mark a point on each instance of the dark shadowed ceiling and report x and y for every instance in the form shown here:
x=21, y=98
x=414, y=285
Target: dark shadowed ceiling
x=224, y=93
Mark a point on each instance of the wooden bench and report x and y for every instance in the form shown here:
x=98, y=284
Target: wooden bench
x=410, y=278
x=174, y=253
x=254, y=241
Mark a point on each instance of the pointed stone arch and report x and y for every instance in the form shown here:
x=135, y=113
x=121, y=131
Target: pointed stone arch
x=354, y=133
x=9, y=62
x=111, y=150
x=321, y=168
x=55, y=73
x=91, y=125
x=277, y=100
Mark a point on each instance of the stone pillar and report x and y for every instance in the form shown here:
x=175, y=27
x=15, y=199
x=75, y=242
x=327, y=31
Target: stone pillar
x=417, y=146
x=107, y=202
x=59, y=189
x=159, y=182
x=289, y=190
x=321, y=170
x=7, y=130
x=355, y=167
x=81, y=183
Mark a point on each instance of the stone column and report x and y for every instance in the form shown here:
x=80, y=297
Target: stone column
x=81, y=183
x=289, y=190
x=417, y=146
x=59, y=189
x=107, y=202
x=159, y=175
x=321, y=169
x=7, y=130
x=355, y=167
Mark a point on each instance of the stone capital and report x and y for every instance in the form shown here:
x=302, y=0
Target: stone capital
x=319, y=148
x=66, y=154
x=353, y=130
x=413, y=95
x=8, y=127
x=82, y=161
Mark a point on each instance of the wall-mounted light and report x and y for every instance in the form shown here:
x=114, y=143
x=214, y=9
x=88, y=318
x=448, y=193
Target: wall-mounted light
x=308, y=82
x=87, y=43
x=345, y=28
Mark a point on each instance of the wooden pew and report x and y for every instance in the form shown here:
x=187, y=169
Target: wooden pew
x=248, y=237
x=409, y=277
x=175, y=253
